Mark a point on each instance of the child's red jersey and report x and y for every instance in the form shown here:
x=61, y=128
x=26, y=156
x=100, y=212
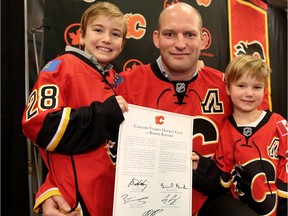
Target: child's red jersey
x=261, y=152
x=72, y=109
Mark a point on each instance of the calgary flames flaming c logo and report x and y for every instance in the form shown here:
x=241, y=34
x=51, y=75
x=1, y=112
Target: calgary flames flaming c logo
x=159, y=120
x=136, y=26
x=204, y=3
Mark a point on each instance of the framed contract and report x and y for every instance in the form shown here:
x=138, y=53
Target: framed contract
x=154, y=168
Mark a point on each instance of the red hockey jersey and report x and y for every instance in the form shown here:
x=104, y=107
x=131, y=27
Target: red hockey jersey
x=203, y=97
x=72, y=109
x=262, y=153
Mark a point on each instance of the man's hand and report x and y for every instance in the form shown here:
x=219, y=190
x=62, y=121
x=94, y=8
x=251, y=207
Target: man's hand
x=243, y=185
x=195, y=160
x=57, y=206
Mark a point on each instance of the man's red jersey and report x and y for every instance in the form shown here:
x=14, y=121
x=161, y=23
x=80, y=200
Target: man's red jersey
x=262, y=153
x=71, y=114
x=203, y=97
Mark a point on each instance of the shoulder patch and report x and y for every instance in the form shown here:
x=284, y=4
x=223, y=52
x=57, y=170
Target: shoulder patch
x=283, y=127
x=51, y=66
x=118, y=79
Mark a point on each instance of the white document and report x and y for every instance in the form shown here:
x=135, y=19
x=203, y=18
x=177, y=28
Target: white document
x=154, y=168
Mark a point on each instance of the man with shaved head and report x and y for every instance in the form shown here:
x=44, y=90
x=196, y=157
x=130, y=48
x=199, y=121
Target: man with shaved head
x=173, y=83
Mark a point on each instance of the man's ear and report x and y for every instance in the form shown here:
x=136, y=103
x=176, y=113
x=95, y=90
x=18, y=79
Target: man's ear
x=156, y=38
x=204, y=39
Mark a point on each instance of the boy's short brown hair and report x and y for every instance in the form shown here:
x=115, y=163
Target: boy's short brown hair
x=105, y=9
x=247, y=64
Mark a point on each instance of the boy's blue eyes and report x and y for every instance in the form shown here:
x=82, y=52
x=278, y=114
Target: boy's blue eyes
x=117, y=35
x=256, y=87
x=259, y=87
x=97, y=30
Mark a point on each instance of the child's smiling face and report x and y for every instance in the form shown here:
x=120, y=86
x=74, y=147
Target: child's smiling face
x=103, y=38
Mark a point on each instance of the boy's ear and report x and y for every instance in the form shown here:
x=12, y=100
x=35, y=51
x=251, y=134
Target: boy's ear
x=81, y=40
x=227, y=89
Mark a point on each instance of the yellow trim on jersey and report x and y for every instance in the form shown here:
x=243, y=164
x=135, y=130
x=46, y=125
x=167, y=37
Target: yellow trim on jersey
x=49, y=193
x=225, y=184
x=283, y=194
x=61, y=129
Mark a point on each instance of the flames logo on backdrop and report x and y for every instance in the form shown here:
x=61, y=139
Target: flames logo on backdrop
x=167, y=3
x=72, y=35
x=254, y=48
x=130, y=64
x=204, y=3
x=209, y=42
x=136, y=26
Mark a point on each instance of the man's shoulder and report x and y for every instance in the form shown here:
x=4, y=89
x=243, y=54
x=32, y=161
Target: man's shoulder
x=212, y=70
x=211, y=73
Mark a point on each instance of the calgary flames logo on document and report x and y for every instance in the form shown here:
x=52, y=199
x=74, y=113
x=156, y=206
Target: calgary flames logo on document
x=159, y=120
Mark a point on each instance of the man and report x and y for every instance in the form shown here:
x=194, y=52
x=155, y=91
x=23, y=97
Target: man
x=173, y=83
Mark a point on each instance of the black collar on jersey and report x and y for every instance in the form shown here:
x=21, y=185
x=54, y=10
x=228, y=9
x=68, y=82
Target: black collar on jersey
x=248, y=131
x=156, y=70
x=180, y=86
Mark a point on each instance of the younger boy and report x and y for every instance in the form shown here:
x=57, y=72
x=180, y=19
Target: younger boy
x=252, y=152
